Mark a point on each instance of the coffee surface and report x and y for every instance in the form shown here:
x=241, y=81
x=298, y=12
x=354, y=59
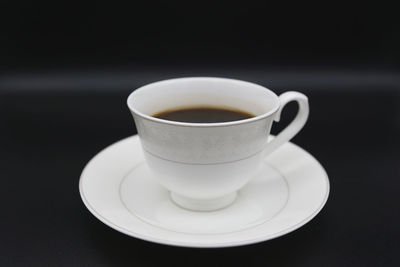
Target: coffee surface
x=203, y=115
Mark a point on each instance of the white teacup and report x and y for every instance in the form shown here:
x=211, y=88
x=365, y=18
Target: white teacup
x=203, y=165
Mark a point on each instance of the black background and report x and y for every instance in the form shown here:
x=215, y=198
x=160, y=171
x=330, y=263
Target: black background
x=65, y=72
x=37, y=34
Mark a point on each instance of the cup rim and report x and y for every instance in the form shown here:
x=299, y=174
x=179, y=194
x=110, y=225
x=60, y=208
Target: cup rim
x=212, y=124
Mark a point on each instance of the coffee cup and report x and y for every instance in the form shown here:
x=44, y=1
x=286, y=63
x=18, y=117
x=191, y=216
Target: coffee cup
x=203, y=165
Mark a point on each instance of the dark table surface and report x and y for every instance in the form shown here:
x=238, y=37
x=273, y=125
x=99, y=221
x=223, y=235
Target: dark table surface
x=51, y=124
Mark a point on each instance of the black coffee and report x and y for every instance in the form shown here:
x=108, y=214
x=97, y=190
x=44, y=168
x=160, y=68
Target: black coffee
x=203, y=115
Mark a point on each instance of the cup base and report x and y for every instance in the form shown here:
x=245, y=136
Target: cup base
x=203, y=204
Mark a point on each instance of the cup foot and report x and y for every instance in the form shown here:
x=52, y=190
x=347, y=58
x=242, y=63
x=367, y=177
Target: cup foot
x=203, y=204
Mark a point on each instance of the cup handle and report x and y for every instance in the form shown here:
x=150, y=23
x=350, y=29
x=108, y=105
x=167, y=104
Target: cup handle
x=295, y=126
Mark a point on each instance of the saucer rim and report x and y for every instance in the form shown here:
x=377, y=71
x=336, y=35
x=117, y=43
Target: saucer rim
x=193, y=244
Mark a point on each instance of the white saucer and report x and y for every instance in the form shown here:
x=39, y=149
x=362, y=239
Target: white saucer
x=118, y=189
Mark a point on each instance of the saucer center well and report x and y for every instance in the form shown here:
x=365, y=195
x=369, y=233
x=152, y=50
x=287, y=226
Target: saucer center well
x=259, y=201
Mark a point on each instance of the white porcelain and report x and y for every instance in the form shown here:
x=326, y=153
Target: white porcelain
x=288, y=191
x=204, y=164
